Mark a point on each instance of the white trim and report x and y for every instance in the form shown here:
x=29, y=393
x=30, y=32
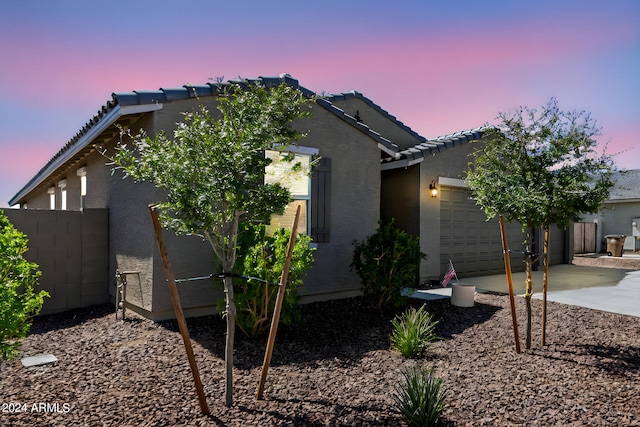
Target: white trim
x=386, y=149
x=616, y=201
x=52, y=198
x=404, y=163
x=107, y=120
x=452, y=182
x=297, y=149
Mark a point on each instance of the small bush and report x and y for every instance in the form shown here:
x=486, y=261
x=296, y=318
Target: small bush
x=263, y=257
x=420, y=399
x=387, y=262
x=413, y=332
x=19, y=300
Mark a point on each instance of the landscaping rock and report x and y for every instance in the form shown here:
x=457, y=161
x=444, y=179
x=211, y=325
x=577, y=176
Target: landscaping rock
x=333, y=368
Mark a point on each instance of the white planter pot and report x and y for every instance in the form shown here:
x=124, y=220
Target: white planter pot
x=462, y=294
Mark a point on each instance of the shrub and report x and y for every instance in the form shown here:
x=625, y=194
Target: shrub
x=18, y=299
x=413, y=332
x=387, y=262
x=263, y=257
x=420, y=399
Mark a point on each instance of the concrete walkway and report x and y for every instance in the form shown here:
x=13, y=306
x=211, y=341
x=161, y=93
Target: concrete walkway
x=606, y=289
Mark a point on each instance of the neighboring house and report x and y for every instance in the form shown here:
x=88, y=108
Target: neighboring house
x=372, y=167
x=620, y=213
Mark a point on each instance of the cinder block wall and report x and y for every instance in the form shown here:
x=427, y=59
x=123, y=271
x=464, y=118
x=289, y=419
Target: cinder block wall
x=71, y=249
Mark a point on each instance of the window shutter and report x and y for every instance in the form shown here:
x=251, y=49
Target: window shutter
x=321, y=201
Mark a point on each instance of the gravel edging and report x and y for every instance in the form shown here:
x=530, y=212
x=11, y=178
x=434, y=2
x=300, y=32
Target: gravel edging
x=332, y=368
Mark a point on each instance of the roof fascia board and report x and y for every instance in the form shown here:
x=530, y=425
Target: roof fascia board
x=107, y=120
x=398, y=164
x=387, y=150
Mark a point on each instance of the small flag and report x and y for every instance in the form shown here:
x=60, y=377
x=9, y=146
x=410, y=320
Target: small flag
x=450, y=274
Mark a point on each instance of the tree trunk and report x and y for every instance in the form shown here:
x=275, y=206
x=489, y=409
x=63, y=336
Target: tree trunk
x=527, y=297
x=529, y=282
x=223, y=243
x=545, y=284
x=231, y=328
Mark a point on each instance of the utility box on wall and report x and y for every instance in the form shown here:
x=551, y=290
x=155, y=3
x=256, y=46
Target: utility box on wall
x=634, y=239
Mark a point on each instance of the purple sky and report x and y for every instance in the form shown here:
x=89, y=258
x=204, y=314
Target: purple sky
x=439, y=67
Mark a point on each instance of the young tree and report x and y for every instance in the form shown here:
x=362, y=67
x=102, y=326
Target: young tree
x=18, y=299
x=540, y=167
x=212, y=171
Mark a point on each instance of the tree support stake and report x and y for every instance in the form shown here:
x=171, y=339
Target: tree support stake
x=278, y=307
x=507, y=267
x=177, y=308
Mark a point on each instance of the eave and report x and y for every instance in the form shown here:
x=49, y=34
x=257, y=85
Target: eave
x=82, y=143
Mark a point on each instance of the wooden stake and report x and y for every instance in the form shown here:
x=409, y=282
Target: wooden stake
x=545, y=284
x=278, y=307
x=507, y=267
x=177, y=307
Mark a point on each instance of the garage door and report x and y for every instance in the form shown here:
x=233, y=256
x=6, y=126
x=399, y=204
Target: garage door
x=473, y=244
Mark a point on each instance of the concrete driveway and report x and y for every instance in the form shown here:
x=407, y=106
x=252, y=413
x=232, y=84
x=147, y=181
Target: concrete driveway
x=606, y=289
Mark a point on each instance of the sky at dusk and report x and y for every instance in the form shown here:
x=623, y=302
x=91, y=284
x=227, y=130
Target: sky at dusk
x=438, y=66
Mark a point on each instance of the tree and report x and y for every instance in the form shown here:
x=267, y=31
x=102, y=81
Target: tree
x=540, y=168
x=213, y=169
x=18, y=279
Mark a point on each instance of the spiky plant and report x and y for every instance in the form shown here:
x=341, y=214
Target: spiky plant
x=420, y=399
x=413, y=332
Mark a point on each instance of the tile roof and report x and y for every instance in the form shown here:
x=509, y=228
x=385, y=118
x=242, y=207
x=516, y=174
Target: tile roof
x=123, y=104
x=441, y=143
x=626, y=185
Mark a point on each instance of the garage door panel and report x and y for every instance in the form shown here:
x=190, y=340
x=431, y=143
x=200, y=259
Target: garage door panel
x=458, y=215
x=459, y=196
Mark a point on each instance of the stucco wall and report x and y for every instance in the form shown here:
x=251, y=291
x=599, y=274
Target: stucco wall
x=355, y=201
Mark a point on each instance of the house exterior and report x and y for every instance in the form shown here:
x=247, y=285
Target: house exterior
x=620, y=213
x=372, y=167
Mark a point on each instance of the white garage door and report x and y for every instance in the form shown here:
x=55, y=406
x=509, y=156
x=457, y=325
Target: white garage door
x=473, y=244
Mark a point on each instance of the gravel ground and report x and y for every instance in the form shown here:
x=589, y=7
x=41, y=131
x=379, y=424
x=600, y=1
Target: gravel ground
x=333, y=368
x=630, y=261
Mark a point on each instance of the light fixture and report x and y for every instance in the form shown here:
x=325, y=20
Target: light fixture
x=433, y=189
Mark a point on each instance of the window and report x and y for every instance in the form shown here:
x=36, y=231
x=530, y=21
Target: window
x=63, y=194
x=293, y=174
x=82, y=173
x=52, y=198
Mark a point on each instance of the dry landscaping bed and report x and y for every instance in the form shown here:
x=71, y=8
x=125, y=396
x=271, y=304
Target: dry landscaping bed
x=333, y=368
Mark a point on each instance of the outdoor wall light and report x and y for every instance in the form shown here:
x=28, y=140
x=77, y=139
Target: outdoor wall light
x=433, y=189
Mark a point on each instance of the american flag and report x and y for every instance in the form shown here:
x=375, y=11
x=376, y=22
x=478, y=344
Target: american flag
x=450, y=274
